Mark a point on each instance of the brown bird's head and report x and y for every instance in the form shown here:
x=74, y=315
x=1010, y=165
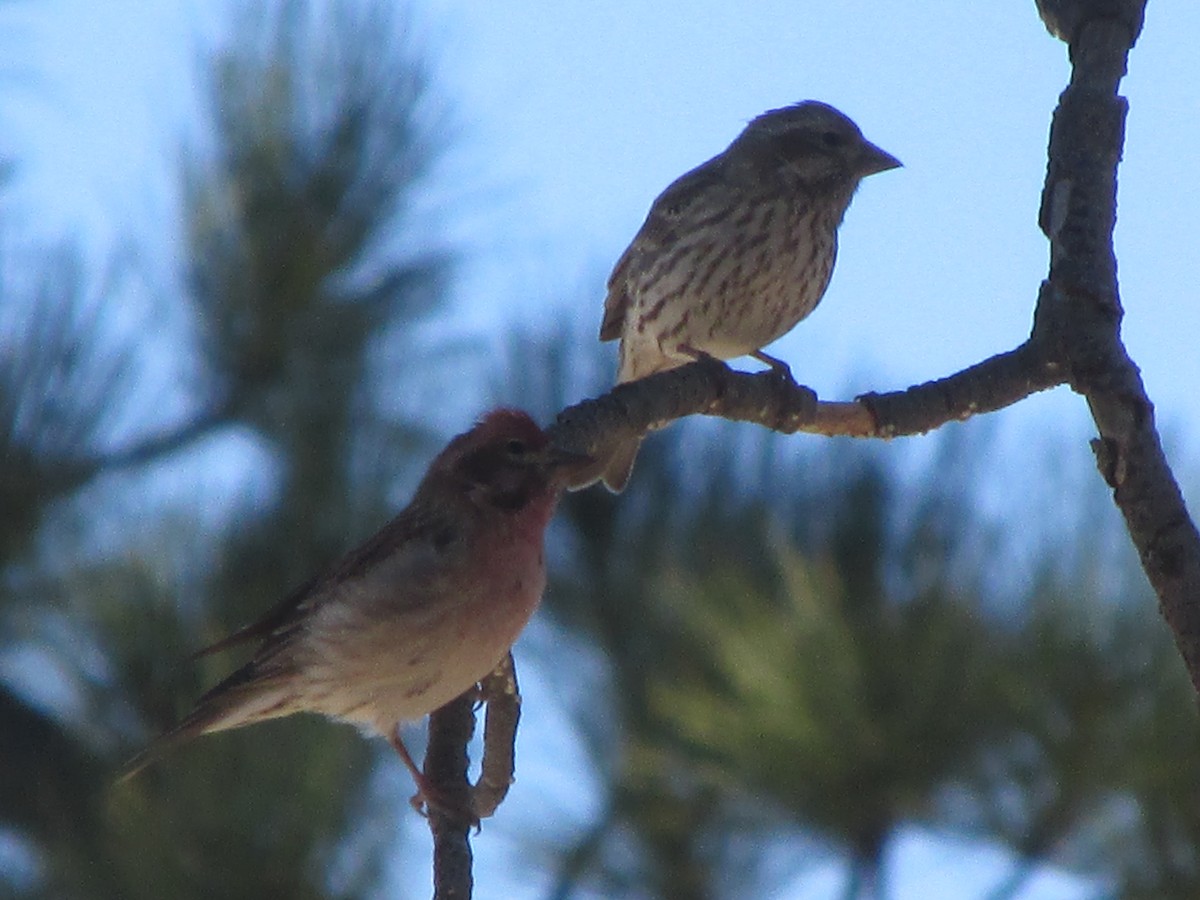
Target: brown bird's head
x=812, y=142
x=505, y=462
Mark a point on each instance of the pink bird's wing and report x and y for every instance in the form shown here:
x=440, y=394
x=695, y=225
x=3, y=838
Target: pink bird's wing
x=415, y=542
x=414, y=522
x=275, y=618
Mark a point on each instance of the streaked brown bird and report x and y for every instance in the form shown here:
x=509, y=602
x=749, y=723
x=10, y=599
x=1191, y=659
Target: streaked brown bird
x=737, y=251
x=416, y=615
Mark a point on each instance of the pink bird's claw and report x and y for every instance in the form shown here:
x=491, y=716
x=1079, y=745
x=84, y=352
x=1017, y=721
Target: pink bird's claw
x=428, y=799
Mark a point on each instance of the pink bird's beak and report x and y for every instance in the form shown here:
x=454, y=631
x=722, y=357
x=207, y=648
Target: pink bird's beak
x=570, y=467
x=554, y=457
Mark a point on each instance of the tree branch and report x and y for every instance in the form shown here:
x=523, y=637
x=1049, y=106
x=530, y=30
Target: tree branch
x=711, y=388
x=1078, y=214
x=1075, y=340
x=503, y=698
x=461, y=805
x=445, y=769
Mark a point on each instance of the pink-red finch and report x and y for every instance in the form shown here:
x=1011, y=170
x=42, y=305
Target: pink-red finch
x=737, y=251
x=416, y=615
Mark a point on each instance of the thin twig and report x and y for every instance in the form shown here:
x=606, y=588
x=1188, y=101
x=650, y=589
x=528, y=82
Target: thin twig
x=499, y=691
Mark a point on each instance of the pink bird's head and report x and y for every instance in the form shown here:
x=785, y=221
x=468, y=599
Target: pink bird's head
x=504, y=462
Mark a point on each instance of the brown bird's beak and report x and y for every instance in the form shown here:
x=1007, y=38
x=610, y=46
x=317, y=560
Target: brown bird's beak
x=873, y=160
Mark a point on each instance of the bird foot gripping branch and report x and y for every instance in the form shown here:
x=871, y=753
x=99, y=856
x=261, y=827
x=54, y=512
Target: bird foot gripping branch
x=442, y=788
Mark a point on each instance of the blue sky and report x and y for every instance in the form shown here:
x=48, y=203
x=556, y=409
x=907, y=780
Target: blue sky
x=576, y=115
x=589, y=110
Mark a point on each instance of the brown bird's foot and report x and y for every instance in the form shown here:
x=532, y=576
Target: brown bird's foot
x=778, y=367
x=794, y=399
x=428, y=798
x=703, y=357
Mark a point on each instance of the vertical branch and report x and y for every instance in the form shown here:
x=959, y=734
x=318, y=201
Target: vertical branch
x=459, y=805
x=450, y=730
x=1081, y=304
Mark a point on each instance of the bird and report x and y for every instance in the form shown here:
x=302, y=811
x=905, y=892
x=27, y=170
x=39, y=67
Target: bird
x=734, y=253
x=417, y=614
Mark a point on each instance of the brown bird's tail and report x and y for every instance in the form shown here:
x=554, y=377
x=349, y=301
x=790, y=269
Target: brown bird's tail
x=635, y=365
x=620, y=465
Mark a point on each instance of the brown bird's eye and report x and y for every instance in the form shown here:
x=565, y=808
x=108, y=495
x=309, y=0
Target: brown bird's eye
x=515, y=447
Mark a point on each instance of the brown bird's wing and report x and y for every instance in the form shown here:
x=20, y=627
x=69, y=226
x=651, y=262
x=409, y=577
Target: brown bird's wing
x=413, y=521
x=661, y=228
